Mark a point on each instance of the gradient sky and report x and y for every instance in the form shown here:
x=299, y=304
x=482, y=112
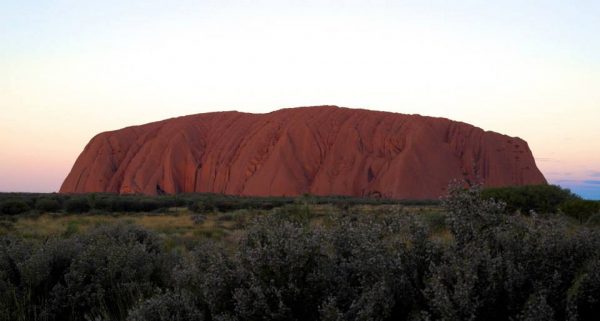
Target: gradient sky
x=71, y=69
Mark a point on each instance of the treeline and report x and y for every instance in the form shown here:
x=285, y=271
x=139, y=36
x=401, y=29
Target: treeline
x=20, y=203
x=544, y=199
x=495, y=266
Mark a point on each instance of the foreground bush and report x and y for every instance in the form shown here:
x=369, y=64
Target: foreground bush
x=169, y=306
x=509, y=267
x=98, y=276
x=494, y=266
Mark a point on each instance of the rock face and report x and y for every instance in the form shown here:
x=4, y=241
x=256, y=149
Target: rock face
x=324, y=150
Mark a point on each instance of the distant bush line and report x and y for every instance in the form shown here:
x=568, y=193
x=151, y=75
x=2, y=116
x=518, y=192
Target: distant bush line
x=495, y=267
x=538, y=198
x=20, y=203
x=545, y=199
x=542, y=199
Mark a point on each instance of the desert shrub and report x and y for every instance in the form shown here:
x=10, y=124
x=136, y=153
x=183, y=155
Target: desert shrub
x=470, y=216
x=167, y=306
x=495, y=265
x=43, y=271
x=133, y=203
x=30, y=272
x=210, y=275
x=104, y=204
x=202, y=206
x=459, y=290
x=117, y=266
x=13, y=301
x=538, y=198
x=279, y=271
x=505, y=266
x=297, y=213
x=267, y=205
x=221, y=203
x=227, y=205
x=124, y=204
x=467, y=270
x=101, y=274
x=225, y=217
x=148, y=205
x=355, y=270
x=47, y=205
x=77, y=205
x=13, y=207
x=435, y=220
x=495, y=277
x=498, y=267
x=537, y=309
x=371, y=273
x=583, y=300
x=198, y=218
x=579, y=209
x=594, y=220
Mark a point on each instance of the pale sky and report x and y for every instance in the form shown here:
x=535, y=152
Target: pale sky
x=72, y=69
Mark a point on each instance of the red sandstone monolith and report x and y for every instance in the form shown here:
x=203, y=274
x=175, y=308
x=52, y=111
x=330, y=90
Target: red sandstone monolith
x=324, y=150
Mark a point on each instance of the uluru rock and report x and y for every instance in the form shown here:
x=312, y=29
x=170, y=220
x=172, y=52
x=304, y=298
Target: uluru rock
x=324, y=150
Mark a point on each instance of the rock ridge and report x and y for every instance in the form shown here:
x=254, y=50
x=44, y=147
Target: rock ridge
x=323, y=150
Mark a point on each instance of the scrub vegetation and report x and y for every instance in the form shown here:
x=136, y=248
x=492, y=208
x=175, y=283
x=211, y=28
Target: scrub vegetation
x=471, y=256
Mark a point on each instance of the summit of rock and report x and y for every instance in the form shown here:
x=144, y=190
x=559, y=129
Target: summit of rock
x=324, y=150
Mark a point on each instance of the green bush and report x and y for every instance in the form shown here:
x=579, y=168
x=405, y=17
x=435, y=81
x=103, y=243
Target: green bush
x=134, y=203
x=581, y=210
x=435, y=220
x=202, y=206
x=201, y=203
x=537, y=198
x=166, y=307
x=494, y=267
x=77, y=205
x=594, y=220
x=13, y=207
x=47, y=205
x=297, y=213
x=506, y=267
x=101, y=274
x=583, y=295
x=114, y=270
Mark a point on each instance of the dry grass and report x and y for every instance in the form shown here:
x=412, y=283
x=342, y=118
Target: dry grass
x=49, y=225
x=179, y=228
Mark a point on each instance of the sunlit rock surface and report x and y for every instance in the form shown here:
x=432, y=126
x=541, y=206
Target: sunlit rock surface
x=323, y=150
